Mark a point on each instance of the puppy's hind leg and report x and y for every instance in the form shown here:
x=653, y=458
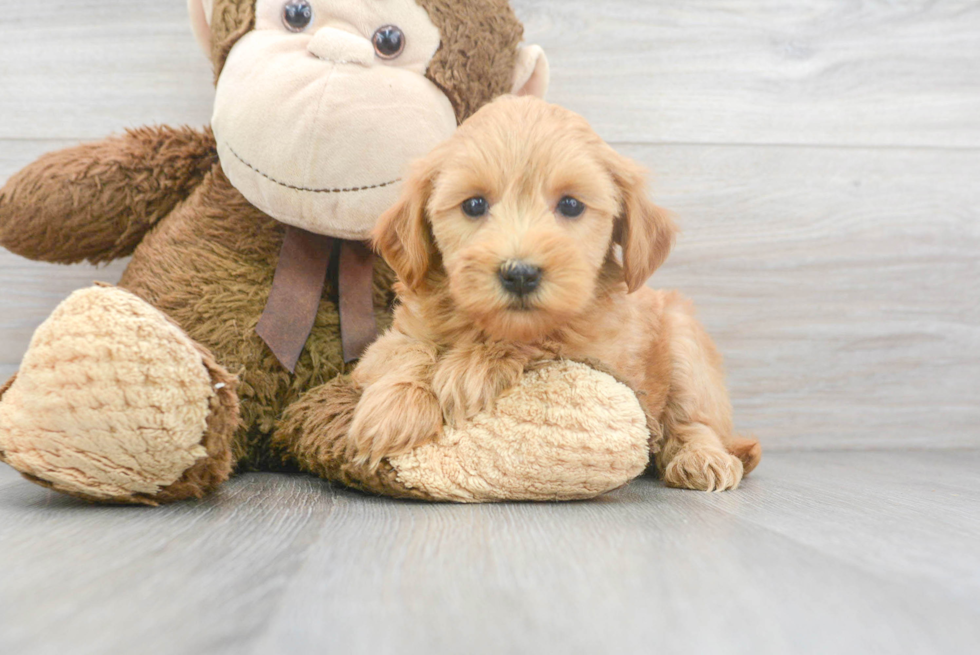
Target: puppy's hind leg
x=700, y=450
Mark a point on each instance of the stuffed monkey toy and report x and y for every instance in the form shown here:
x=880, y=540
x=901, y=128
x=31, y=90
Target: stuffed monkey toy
x=250, y=293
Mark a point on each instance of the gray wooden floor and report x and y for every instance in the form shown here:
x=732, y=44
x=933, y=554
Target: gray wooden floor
x=822, y=552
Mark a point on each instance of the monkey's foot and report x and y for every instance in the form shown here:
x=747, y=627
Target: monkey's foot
x=565, y=432
x=114, y=403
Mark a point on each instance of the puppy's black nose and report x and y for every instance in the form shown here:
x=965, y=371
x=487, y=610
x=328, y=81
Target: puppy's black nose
x=520, y=278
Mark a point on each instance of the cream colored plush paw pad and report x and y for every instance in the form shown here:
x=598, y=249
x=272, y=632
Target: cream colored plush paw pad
x=565, y=432
x=111, y=399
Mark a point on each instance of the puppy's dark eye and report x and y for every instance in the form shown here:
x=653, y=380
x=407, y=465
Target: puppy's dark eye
x=297, y=15
x=570, y=207
x=476, y=207
x=389, y=42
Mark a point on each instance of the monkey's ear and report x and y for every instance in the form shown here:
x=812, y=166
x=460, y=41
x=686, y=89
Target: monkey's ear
x=645, y=231
x=532, y=73
x=402, y=235
x=200, y=12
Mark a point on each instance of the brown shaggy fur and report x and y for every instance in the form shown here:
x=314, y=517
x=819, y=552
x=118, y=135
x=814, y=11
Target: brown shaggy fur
x=209, y=472
x=476, y=59
x=209, y=267
x=95, y=202
x=206, y=257
x=314, y=430
x=230, y=21
x=460, y=339
x=473, y=65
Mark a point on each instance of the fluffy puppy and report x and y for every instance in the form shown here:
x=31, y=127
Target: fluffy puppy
x=506, y=243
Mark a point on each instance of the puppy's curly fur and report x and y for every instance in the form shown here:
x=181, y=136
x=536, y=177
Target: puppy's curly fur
x=460, y=338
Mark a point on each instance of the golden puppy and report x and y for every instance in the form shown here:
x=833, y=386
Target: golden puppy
x=504, y=242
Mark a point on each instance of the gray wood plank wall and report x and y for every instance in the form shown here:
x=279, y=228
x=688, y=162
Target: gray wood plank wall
x=823, y=158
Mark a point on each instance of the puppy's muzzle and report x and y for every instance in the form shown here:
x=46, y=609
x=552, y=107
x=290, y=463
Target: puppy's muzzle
x=519, y=278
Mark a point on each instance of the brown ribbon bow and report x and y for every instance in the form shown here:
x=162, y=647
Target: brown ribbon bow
x=297, y=288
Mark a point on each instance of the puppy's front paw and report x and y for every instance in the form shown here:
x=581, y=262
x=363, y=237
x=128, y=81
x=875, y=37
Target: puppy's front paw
x=703, y=468
x=468, y=380
x=392, y=419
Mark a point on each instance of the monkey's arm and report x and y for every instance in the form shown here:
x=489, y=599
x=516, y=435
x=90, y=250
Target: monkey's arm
x=564, y=432
x=96, y=201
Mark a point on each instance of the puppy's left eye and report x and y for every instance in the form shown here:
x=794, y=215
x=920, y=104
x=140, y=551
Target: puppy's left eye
x=570, y=207
x=476, y=207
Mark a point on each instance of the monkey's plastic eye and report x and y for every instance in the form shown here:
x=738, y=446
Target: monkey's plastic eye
x=476, y=207
x=297, y=15
x=570, y=207
x=389, y=42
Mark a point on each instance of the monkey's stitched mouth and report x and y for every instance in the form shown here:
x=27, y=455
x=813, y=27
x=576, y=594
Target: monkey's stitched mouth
x=308, y=189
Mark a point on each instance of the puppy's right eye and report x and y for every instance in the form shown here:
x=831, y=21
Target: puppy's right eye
x=297, y=15
x=570, y=207
x=476, y=207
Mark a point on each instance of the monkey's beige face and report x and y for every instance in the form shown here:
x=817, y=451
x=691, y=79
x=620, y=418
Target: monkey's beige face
x=320, y=107
x=523, y=210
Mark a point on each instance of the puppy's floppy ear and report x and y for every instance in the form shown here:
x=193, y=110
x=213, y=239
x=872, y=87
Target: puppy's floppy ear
x=645, y=231
x=402, y=235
